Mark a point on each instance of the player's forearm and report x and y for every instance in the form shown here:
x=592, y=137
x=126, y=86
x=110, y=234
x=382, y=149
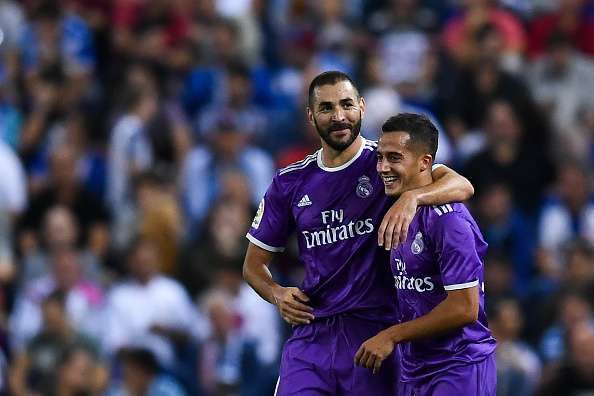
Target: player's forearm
x=448, y=186
x=257, y=275
x=444, y=317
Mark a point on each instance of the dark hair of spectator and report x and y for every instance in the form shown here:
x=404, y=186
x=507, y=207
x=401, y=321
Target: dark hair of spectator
x=139, y=357
x=559, y=39
x=57, y=296
x=47, y=11
x=328, y=78
x=423, y=134
x=133, y=96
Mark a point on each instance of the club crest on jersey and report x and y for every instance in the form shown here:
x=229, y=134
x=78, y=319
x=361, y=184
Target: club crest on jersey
x=364, y=188
x=417, y=246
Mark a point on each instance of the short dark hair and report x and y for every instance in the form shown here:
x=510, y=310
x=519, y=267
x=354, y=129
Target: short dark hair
x=140, y=357
x=58, y=296
x=423, y=133
x=328, y=78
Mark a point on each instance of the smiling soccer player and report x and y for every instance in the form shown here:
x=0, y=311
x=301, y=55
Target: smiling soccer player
x=445, y=345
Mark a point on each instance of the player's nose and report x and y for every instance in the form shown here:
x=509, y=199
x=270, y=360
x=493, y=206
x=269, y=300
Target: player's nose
x=338, y=114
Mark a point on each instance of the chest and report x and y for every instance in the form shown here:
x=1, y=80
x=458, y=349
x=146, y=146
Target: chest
x=333, y=200
x=416, y=256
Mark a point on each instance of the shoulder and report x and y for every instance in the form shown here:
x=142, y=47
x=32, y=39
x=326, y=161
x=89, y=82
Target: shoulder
x=370, y=145
x=288, y=177
x=442, y=218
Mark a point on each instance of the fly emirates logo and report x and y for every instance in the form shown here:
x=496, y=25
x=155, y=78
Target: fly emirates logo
x=336, y=230
x=405, y=282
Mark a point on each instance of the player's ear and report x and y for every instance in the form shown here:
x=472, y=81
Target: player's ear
x=362, y=105
x=425, y=162
x=310, y=116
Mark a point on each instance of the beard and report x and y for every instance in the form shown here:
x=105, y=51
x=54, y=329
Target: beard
x=337, y=144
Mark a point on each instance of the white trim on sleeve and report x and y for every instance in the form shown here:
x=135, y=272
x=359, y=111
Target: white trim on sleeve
x=460, y=286
x=262, y=245
x=435, y=166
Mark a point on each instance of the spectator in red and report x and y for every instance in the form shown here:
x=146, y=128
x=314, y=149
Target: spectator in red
x=459, y=32
x=569, y=19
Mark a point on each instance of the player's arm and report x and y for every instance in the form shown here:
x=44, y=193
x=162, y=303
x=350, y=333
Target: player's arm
x=448, y=186
x=458, y=309
x=291, y=302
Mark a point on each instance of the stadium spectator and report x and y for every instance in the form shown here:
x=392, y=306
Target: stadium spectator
x=506, y=230
x=460, y=31
x=130, y=152
x=562, y=82
x=524, y=167
x=36, y=369
x=576, y=376
x=64, y=188
x=573, y=311
x=206, y=166
x=142, y=375
x=221, y=247
x=60, y=231
x=518, y=365
x=159, y=218
x=149, y=309
x=568, y=17
x=83, y=299
x=569, y=212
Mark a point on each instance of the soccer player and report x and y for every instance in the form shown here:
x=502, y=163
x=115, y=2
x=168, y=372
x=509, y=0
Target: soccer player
x=445, y=345
x=333, y=201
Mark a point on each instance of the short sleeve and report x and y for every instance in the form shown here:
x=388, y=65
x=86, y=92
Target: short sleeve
x=455, y=245
x=273, y=221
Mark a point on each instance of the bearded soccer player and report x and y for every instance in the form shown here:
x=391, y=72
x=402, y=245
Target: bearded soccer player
x=445, y=345
x=333, y=201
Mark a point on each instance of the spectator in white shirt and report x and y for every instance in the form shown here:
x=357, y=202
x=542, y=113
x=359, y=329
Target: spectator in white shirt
x=130, y=152
x=570, y=212
x=149, y=310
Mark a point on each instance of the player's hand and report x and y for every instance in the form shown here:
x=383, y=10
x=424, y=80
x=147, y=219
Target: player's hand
x=292, y=305
x=394, y=227
x=374, y=351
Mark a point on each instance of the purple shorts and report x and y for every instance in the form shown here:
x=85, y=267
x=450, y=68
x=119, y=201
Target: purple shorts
x=318, y=359
x=478, y=379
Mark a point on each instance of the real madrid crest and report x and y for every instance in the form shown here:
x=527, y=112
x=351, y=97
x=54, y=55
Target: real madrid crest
x=364, y=188
x=417, y=246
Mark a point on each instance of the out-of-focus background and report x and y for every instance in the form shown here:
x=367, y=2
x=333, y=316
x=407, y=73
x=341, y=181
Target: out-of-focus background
x=137, y=136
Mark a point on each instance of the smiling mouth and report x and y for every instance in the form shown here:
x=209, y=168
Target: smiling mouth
x=390, y=180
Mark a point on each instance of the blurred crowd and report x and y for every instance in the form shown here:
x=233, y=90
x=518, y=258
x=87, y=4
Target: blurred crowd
x=138, y=136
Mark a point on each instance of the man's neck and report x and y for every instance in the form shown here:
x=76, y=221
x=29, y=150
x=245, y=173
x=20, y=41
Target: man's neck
x=333, y=158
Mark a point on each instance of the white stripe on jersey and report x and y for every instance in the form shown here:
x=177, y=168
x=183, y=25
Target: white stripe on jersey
x=299, y=165
x=460, y=286
x=262, y=245
x=436, y=209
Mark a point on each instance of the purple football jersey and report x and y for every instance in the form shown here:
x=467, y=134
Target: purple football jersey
x=335, y=213
x=444, y=251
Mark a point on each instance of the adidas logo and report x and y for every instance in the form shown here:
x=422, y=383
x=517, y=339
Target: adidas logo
x=304, y=201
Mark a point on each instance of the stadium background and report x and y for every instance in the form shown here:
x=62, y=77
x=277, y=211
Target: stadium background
x=137, y=136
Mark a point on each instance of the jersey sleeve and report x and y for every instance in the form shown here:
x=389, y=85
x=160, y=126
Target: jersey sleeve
x=272, y=224
x=457, y=256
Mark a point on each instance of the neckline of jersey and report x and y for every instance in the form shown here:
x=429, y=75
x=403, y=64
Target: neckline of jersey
x=343, y=166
